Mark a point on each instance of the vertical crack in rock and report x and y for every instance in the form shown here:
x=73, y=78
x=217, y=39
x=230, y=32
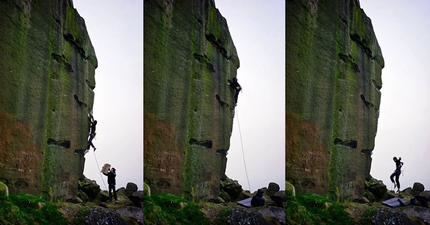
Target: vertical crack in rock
x=204, y=59
x=75, y=44
x=376, y=85
x=362, y=44
x=367, y=103
x=87, y=82
x=80, y=103
x=222, y=103
x=217, y=44
x=349, y=143
x=62, y=143
x=205, y=143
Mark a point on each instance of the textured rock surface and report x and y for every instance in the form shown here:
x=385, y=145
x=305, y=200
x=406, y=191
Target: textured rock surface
x=188, y=110
x=47, y=65
x=333, y=94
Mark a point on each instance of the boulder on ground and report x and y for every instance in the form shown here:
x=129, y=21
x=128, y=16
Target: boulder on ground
x=130, y=189
x=417, y=189
x=290, y=188
x=376, y=187
x=240, y=215
x=272, y=188
x=146, y=189
x=89, y=187
x=4, y=190
x=384, y=214
x=232, y=188
x=99, y=215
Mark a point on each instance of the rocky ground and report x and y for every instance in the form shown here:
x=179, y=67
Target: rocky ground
x=92, y=205
x=226, y=210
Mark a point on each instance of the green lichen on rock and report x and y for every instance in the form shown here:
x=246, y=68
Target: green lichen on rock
x=189, y=56
x=334, y=68
x=47, y=71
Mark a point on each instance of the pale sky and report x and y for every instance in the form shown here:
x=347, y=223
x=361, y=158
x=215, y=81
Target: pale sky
x=403, y=32
x=258, y=32
x=115, y=28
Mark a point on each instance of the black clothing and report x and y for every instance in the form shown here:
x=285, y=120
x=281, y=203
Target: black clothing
x=236, y=87
x=111, y=181
x=258, y=199
x=93, y=124
x=397, y=173
x=111, y=177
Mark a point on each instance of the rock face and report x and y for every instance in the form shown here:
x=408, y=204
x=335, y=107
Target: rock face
x=333, y=94
x=47, y=66
x=189, y=107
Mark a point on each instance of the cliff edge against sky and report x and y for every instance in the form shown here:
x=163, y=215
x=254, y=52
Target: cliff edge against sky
x=334, y=66
x=47, y=66
x=188, y=104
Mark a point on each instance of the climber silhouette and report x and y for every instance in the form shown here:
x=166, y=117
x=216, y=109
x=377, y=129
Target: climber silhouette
x=236, y=88
x=396, y=173
x=111, y=174
x=93, y=124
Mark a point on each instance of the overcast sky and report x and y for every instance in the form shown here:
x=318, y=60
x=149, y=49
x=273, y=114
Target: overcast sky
x=403, y=32
x=258, y=32
x=115, y=28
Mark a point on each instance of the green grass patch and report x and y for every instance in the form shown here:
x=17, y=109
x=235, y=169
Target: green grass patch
x=170, y=209
x=28, y=209
x=315, y=209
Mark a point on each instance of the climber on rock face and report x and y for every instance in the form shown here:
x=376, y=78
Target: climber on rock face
x=93, y=124
x=396, y=173
x=236, y=87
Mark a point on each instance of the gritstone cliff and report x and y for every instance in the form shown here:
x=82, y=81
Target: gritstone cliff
x=334, y=66
x=189, y=107
x=47, y=66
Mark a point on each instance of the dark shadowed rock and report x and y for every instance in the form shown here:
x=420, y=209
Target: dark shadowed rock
x=384, y=215
x=239, y=216
x=417, y=188
x=272, y=188
x=130, y=189
x=232, y=188
x=425, y=194
x=134, y=212
x=275, y=213
x=90, y=188
x=99, y=215
x=416, y=211
x=376, y=187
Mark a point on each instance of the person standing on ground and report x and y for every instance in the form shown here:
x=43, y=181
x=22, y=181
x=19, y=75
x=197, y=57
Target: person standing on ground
x=111, y=174
x=396, y=173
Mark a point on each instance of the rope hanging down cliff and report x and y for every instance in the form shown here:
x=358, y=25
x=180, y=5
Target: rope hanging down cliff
x=98, y=170
x=243, y=152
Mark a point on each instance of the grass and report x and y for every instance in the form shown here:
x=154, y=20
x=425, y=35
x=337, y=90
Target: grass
x=169, y=209
x=28, y=209
x=315, y=209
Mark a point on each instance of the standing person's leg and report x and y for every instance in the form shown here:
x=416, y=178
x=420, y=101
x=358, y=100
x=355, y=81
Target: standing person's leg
x=397, y=180
x=114, y=193
x=391, y=178
x=110, y=192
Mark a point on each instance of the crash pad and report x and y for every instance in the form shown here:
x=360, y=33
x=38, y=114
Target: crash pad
x=245, y=202
x=395, y=202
